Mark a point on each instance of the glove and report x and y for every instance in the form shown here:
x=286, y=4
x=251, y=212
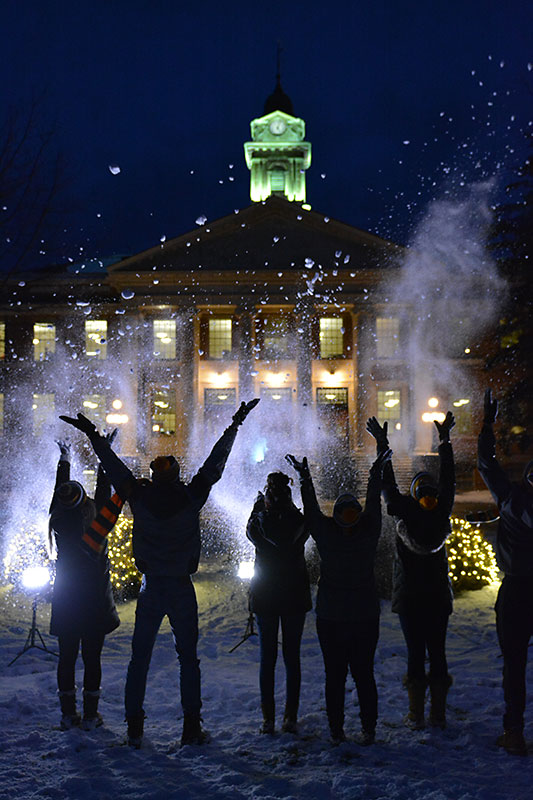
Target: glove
x=111, y=436
x=301, y=467
x=445, y=427
x=379, y=433
x=243, y=411
x=383, y=458
x=64, y=448
x=490, y=408
x=82, y=424
x=259, y=503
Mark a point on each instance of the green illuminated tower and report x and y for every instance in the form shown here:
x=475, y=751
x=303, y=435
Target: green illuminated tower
x=277, y=156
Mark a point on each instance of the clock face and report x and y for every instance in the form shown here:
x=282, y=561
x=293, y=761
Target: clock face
x=277, y=126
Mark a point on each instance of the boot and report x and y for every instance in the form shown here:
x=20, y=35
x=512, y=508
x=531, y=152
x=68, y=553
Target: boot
x=416, y=690
x=268, y=726
x=438, y=690
x=193, y=732
x=290, y=720
x=513, y=741
x=91, y=718
x=135, y=730
x=70, y=718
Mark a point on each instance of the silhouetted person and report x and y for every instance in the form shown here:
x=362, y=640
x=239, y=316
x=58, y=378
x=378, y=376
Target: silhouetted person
x=83, y=609
x=347, y=604
x=166, y=548
x=279, y=592
x=421, y=588
x=514, y=554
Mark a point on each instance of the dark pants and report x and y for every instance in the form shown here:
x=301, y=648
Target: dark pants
x=292, y=626
x=425, y=629
x=91, y=650
x=349, y=644
x=514, y=624
x=162, y=596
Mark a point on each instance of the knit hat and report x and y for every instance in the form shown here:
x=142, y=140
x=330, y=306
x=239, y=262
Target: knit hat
x=165, y=469
x=346, y=510
x=71, y=494
x=423, y=484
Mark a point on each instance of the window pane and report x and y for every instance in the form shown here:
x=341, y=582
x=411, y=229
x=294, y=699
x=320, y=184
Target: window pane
x=278, y=396
x=332, y=397
x=163, y=412
x=43, y=412
x=2, y=339
x=277, y=180
x=331, y=337
x=94, y=407
x=462, y=411
x=165, y=338
x=96, y=338
x=44, y=340
x=275, y=337
x=215, y=399
x=388, y=336
x=389, y=406
x=219, y=338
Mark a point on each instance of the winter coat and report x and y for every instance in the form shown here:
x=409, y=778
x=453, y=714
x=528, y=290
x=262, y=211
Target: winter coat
x=347, y=587
x=82, y=597
x=280, y=584
x=420, y=571
x=514, y=540
x=166, y=525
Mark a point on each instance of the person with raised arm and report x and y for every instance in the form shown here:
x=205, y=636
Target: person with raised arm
x=279, y=593
x=83, y=609
x=347, y=603
x=166, y=548
x=514, y=555
x=421, y=588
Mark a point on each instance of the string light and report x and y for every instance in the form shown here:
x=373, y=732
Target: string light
x=471, y=559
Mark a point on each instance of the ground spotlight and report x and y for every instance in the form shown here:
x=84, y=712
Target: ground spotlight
x=246, y=570
x=35, y=577
x=34, y=580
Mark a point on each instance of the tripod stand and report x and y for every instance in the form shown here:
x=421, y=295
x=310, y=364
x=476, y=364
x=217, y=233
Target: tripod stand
x=30, y=640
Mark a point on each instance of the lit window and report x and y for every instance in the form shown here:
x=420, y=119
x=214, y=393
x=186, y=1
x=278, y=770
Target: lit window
x=389, y=406
x=332, y=397
x=94, y=407
x=2, y=340
x=277, y=180
x=216, y=400
x=331, y=337
x=165, y=338
x=388, y=337
x=275, y=338
x=43, y=412
x=163, y=413
x=462, y=411
x=44, y=340
x=96, y=338
x=1, y=414
x=219, y=338
x=278, y=396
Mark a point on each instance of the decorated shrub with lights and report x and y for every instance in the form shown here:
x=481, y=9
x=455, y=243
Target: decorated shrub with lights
x=125, y=577
x=471, y=558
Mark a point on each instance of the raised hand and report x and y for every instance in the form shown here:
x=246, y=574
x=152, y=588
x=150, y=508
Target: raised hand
x=243, y=411
x=445, y=427
x=490, y=407
x=111, y=436
x=64, y=448
x=82, y=423
x=379, y=433
x=383, y=458
x=301, y=467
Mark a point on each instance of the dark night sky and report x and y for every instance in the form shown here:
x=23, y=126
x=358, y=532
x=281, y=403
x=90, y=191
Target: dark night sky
x=393, y=94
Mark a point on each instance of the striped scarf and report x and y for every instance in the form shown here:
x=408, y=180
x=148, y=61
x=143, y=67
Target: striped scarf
x=94, y=538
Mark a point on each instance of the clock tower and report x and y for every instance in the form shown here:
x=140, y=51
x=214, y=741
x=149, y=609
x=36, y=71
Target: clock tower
x=277, y=156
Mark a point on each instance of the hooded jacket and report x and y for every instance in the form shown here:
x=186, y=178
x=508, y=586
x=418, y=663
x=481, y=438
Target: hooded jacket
x=280, y=584
x=514, y=540
x=347, y=587
x=166, y=525
x=82, y=597
x=420, y=571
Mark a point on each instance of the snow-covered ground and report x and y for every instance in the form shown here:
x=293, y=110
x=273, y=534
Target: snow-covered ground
x=462, y=763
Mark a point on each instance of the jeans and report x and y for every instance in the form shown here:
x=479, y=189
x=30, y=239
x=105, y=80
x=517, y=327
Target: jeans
x=91, y=650
x=174, y=597
x=514, y=624
x=426, y=629
x=349, y=644
x=292, y=626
